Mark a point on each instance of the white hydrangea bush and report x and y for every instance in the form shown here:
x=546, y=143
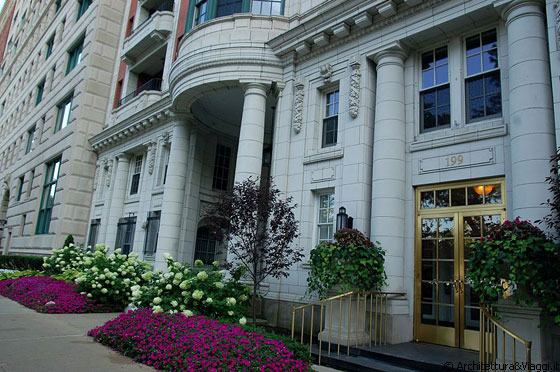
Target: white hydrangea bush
x=70, y=257
x=199, y=290
x=110, y=278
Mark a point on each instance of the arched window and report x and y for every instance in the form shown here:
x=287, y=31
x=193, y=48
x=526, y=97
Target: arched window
x=206, y=247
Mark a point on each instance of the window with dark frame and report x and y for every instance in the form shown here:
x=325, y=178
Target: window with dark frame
x=166, y=153
x=483, y=83
x=221, y=167
x=435, y=103
x=47, y=198
x=228, y=7
x=266, y=7
x=40, y=91
x=330, y=122
x=50, y=44
x=125, y=234
x=206, y=246
x=201, y=10
x=152, y=233
x=20, y=188
x=83, y=7
x=57, y=5
x=136, y=175
x=93, y=233
x=75, y=56
x=30, y=140
x=63, y=115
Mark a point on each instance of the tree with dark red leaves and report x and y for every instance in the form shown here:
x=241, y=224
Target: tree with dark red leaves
x=258, y=227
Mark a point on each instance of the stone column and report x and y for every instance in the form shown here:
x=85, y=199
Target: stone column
x=122, y=165
x=531, y=119
x=173, y=195
x=251, y=135
x=388, y=185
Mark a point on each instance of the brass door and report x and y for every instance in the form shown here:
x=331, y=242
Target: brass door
x=446, y=310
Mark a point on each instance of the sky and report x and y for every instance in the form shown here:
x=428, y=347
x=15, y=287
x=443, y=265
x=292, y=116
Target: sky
x=1, y=4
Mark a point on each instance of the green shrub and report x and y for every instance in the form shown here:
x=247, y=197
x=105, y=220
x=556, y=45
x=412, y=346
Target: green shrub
x=198, y=290
x=69, y=240
x=13, y=262
x=351, y=262
x=19, y=274
x=68, y=257
x=109, y=279
x=69, y=275
x=518, y=253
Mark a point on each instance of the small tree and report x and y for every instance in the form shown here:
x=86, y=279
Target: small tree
x=69, y=240
x=552, y=220
x=258, y=228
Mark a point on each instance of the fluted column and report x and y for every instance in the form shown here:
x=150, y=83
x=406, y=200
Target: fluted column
x=121, y=163
x=530, y=99
x=173, y=195
x=388, y=186
x=251, y=135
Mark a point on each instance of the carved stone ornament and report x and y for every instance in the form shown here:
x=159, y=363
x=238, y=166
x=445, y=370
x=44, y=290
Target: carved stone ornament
x=355, y=88
x=96, y=178
x=109, y=168
x=165, y=139
x=298, y=106
x=326, y=73
x=152, y=147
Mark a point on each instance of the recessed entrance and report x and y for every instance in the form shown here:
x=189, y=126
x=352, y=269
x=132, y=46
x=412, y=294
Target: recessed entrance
x=449, y=218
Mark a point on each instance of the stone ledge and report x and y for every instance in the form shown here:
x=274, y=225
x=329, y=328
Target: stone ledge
x=323, y=155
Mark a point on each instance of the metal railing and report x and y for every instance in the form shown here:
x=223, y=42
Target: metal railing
x=490, y=330
x=363, y=311
x=153, y=84
x=166, y=6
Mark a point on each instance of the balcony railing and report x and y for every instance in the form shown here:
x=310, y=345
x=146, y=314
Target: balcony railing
x=153, y=84
x=166, y=6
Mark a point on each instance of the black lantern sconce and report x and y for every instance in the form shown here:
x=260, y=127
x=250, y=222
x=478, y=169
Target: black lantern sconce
x=343, y=221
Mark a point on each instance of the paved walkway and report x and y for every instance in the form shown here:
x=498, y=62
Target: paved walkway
x=35, y=342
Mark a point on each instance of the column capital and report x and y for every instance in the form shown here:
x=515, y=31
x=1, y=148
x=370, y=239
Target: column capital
x=520, y=8
x=255, y=88
x=122, y=156
x=395, y=53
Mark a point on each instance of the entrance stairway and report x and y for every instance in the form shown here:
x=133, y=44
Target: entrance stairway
x=411, y=356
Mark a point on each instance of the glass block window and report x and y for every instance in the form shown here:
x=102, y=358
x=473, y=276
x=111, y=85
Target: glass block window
x=221, y=167
x=483, y=82
x=152, y=232
x=330, y=122
x=326, y=217
x=135, y=184
x=47, y=198
x=266, y=7
x=435, y=93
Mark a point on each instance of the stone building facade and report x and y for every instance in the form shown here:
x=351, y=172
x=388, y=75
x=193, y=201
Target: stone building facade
x=55, y=80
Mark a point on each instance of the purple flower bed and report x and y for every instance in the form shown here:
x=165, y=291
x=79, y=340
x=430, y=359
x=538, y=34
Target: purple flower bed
x=174, y=342
x=48, y=295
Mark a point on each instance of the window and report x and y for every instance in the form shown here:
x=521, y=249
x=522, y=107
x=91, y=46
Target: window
x=164, y=164
x=20, y=188
x=2, y=108
x=40, y=90
x=136, y=175
x=330, y=122
x=206, y=246
x=75, y=56
x=326, y=217
x=267, y=7
x=93, y=232
x=228, y=7
x=30, y=140
x=83, y=5
x=50, y=44
x=63, y=115
x=221, y=167
x=152, y=232
x=435, y=93
x=483, y=85
x=125, y=234
x=57, y=5
x=47, y=198
x=201, y=11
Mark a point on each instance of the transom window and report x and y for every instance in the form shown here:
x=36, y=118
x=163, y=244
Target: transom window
x=462, y=196
x=266, y=7
x=435, y=94
x=330, y=122
x=483, y=85
x=326, y=217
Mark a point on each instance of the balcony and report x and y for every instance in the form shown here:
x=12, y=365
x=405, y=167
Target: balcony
x=154, y=85
x=149, y=34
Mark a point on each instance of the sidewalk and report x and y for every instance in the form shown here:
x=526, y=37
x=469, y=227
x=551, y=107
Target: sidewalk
x=34, y=342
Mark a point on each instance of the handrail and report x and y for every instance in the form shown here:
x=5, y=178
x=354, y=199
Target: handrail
x=152, y=84
x=355, y=305
x=488, y=351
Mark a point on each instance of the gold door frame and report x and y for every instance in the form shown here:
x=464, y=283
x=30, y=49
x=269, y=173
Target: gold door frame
x=457, y=336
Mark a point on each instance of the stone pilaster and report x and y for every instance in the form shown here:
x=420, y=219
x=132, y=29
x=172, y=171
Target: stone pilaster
x=388, y=186
x=530, y=100
x=173, y=194
x=251, y=136
x=122, y=165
